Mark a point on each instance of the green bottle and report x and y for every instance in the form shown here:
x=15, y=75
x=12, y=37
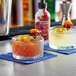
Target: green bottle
x=51, y=8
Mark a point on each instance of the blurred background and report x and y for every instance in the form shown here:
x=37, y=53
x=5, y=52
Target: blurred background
x=23, y=11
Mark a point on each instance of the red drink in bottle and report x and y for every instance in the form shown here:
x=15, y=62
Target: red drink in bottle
x=42, y=19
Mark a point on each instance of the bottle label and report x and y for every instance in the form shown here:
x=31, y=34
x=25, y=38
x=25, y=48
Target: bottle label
x=42, y=22
x=43, y=26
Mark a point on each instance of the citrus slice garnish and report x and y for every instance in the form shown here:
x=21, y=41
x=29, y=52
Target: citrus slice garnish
x=27, y=38
x=23, y=38
x=20, y=38
x=59, y=30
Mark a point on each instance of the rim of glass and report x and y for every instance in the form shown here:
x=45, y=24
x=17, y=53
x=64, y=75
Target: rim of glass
x=40, y=38
x=51, y=28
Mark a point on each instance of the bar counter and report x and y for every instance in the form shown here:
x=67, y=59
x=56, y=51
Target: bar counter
x=62, y=65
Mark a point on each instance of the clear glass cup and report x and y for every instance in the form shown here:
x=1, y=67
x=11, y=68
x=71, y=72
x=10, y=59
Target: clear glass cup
x=28, y=50
x=62, y=41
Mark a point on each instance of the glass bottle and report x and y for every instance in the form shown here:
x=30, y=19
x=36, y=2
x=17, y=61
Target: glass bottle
x=42, y=19
x=29, y=10
x=17, y=13
x=23, y=12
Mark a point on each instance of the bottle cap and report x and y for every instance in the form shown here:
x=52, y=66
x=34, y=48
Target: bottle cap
x=42, y=4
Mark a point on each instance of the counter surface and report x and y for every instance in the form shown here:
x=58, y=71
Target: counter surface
x=62, y=65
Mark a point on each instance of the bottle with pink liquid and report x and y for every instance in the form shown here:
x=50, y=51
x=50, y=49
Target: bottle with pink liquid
x=42, y=19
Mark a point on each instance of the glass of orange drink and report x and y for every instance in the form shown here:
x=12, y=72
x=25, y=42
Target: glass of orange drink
x=26, y=47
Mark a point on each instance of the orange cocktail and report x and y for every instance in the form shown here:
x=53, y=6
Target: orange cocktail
x=27, y=50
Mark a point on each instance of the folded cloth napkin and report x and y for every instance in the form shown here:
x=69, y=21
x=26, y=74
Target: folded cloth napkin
x=46, y=47
x=9, y=57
